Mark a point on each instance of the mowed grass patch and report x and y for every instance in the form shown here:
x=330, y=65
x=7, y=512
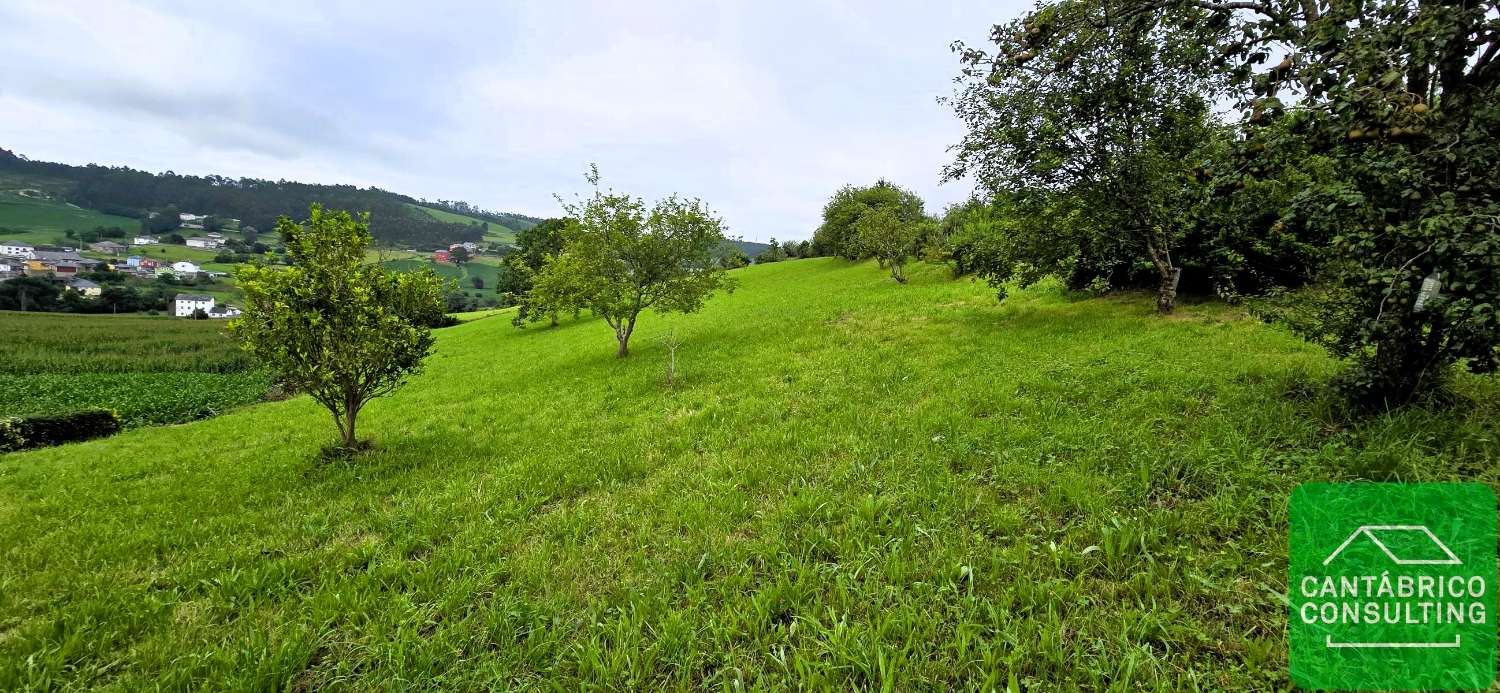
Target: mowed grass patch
x=853, y=484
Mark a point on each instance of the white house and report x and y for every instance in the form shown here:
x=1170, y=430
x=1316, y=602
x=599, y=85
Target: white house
x=191, y=221
x=223, y=310
x=16, y=248
x=183, y=305
x=144, y=239
x=200, y=242
x=183, y=268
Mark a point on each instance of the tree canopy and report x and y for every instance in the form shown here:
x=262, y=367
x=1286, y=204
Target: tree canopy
x=838, y=234
x=619, y=258
x=333, y=325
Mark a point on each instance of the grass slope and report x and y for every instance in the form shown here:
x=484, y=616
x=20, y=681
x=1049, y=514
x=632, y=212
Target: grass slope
x=498, y=233
x=854, y=484
x=44, y=220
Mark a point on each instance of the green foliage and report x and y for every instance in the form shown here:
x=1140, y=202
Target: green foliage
x=839, y=235
x=534, y=246
x=618, y=258
x=19, y=433
x=1104, y=107
x=774, y=252
x=734, y=258
x=342, y=330
x=1402, y=102
x=892, y=240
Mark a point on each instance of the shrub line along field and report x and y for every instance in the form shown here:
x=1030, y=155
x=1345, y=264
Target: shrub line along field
x=853, y=484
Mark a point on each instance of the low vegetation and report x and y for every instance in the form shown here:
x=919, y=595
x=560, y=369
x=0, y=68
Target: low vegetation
x=150, y=370
x=897, y=487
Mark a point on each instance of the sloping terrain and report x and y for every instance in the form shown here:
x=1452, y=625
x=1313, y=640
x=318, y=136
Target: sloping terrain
x=852, y=484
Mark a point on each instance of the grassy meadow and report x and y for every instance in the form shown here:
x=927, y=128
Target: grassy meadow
x=498, y=233
x=153, y=370
x=852, y=484
x=37, y=217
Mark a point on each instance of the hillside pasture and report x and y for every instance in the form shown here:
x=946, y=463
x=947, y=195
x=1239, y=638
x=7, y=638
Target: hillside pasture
x=852, y=485
x=498, y=233
x=44, y=219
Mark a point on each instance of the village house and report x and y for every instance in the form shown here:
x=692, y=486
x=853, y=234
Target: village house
x=223, y=310
x=85, y=287
x=191, y=221
x=183, y=305
x=206, y=243
x=42, y=262
x=144, y=239
x=15, y=248
x=110, y=247
x=441, y=256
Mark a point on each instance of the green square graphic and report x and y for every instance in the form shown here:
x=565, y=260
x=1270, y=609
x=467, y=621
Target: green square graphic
x=1392, y=586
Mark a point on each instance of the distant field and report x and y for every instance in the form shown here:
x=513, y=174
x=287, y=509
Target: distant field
x=150, y=369
x=498, y=233
x=44, y=220
x=486, y=270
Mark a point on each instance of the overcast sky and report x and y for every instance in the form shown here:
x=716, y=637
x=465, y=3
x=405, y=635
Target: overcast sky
x=761, y=108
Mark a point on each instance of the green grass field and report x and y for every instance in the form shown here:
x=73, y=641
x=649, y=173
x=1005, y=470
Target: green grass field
x=485, y=269
x=44, y=220
x=498, y=233
x=853, y=485
x=153, y=370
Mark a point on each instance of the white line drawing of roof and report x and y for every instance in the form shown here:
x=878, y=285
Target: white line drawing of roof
x=1369, y=531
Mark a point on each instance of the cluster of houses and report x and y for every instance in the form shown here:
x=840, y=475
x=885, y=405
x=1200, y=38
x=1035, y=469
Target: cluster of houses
x=18, y=259
x=441, y=255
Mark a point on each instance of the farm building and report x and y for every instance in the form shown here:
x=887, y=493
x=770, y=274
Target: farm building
x=15, y=248
x=201, y=242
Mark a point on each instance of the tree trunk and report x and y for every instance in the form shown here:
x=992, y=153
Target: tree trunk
x=622, y=334
x=349, y=436
x=1166, y=294
x=897, y=273
x=554, y=318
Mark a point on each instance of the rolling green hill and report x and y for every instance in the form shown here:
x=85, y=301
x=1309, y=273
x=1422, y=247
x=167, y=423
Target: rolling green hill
x=853, y=485
x=32, y=214
x=498, y=233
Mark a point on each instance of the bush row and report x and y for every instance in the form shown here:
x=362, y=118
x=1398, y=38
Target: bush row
x=21, y=432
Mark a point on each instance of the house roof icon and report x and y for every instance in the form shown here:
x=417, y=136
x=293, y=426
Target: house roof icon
x=1370, y=532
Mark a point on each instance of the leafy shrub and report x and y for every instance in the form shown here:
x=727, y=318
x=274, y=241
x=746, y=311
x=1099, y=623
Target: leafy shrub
x=18, y=433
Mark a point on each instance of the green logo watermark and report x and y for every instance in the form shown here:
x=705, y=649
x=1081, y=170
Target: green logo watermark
x=1392, y=586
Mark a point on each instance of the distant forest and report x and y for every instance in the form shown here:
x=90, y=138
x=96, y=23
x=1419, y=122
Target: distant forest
x=129, y=192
